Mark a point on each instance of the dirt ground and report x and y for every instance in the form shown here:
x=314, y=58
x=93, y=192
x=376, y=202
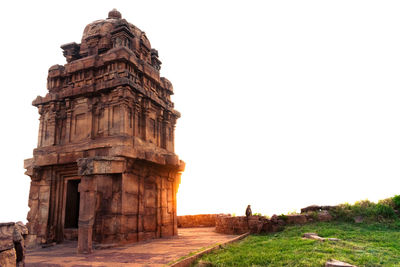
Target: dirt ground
x=156, y=252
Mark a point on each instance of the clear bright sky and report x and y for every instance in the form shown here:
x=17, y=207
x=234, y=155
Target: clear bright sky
x=284, y=103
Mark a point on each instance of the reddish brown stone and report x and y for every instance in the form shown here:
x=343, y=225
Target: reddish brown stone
x=8, y=258
x=311, y=208
x=239, y=225
x=105, y=167
x=324, y=216
x=200, y=220
x=276, y=228
x=296, y=219
x=12, y=244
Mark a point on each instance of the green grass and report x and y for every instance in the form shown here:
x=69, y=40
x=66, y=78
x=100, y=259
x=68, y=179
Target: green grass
x=192, y=253
x=360, y=244
x=369, y=211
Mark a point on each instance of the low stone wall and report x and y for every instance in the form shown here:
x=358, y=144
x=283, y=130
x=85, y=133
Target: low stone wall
x=12, y=244
x=200, y=220
x=227, y=224
x=236, y=225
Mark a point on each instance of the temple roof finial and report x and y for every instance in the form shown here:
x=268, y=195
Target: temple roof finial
x=114, y=14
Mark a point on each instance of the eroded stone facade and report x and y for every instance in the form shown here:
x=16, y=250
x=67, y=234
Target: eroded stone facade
x=12, y=244
x=105, y=168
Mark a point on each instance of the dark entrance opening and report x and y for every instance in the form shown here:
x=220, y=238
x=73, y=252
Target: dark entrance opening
x=72, y=204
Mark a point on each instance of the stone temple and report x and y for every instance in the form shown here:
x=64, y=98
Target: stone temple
x=104, y=170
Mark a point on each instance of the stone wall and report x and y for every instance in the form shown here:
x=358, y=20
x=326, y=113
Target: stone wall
x=199, y=220
x=227, y=224
x=12, y=244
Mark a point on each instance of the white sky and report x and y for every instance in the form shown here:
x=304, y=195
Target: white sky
x=284, y=103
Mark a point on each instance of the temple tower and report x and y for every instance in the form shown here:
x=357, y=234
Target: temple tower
x=104, y=169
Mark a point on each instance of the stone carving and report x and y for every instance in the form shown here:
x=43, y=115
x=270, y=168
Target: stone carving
x=104, y=169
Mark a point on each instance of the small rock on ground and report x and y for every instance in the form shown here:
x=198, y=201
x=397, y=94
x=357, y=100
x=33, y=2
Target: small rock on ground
x=336, y=263
x=315, y=236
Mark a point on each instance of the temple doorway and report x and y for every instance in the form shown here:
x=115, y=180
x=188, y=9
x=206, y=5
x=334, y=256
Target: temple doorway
x=72, y=199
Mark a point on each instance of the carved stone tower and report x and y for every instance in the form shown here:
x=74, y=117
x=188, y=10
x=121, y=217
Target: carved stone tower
x=105, y=168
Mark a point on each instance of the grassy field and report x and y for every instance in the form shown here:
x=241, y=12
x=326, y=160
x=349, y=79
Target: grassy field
x=360, y=244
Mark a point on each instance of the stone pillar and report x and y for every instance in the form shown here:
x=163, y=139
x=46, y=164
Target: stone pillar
x=136, y=122
x=140, y=208
x=164, y=133
x=68, y=121
x=146, y=130
x=92, y=170
x=169, y=135
x=173, y=125
x=87, y=190
x=159, y=129
x=159, y=206
x=41, y=119
x=107, y=119
x=51, y=125
x=124, y=116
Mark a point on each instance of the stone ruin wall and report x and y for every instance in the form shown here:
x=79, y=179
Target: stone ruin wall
x=236, y=225
x=12, y=244
x=199, y=220
x=227, y=224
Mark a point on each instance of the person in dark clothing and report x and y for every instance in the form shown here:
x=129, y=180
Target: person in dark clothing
x=248, y=211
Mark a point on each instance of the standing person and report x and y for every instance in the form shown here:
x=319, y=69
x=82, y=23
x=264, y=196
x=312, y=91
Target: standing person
x=248, y=211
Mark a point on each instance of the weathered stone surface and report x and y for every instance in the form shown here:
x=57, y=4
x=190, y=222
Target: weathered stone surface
x=200, y=220
x=105, y=152
x=296, y=219
x=231, y=225
x=256, y=224
x=324, y=216
x=8, y=258
x=311, y=208
x=336, y=263
x=6, y=236
x=316, y=208
x=22, y=229
x=12, y=244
